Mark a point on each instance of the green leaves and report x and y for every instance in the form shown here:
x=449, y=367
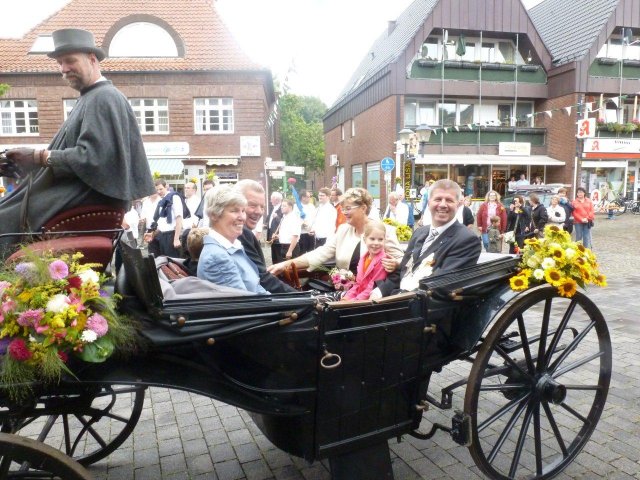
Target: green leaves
x=301, y=131
x=98, y=351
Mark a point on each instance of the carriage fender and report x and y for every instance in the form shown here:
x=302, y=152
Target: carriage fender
x=479, y=315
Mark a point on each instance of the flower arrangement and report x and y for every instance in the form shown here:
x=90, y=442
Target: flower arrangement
x=52, y=309
x=342, y=278
x=558, y=261
x=403, y=232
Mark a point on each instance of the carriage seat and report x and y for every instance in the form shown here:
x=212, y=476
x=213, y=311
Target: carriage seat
x=90, y=229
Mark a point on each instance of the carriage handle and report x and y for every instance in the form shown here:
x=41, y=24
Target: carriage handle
x=328, y=357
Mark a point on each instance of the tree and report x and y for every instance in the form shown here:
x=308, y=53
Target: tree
x=301, y=131
x=3, y=88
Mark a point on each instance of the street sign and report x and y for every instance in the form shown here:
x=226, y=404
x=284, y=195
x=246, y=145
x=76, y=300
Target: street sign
x=294, y=169
x=273, y=164
x=387, y=164
x=276, y=174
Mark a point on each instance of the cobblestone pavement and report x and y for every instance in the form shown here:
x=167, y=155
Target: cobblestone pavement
x=185, y=436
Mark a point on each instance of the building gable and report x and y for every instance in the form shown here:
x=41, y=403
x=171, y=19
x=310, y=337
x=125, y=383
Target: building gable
x=207, y=43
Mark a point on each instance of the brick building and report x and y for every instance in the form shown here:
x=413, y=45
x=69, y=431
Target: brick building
x=502, y=89
x=202, y=104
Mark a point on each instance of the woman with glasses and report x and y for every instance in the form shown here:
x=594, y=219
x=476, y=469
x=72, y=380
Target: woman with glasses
x=347, y=245
x=489, y=208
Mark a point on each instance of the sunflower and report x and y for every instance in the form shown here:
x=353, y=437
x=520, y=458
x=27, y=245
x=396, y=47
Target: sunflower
x=557, y=253
x=600, y=280
x=567, y=288
x=553, y=276
x=585, y=274
x=519, y=283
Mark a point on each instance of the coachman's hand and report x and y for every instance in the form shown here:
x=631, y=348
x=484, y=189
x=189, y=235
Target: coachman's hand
x=24, y=159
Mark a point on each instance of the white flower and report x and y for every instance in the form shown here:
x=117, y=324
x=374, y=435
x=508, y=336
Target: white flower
x=533, y=262
x=89, y=276
x=32, y=338
x=88, y=336
x=548, y=262
x=58, y=303
x=538, y=274
x=569, y=252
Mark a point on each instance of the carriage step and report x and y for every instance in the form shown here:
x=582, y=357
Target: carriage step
x=461, y=428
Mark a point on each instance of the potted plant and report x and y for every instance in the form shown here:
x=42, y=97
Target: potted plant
x=629, y=127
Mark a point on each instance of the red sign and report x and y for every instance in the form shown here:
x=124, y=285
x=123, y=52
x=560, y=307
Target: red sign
x=586, y=128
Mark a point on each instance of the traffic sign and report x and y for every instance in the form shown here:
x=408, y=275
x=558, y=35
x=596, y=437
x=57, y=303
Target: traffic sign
x=387, y=164
x=274, y=164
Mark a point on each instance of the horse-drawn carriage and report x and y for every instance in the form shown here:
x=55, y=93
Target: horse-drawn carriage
x=337, y=380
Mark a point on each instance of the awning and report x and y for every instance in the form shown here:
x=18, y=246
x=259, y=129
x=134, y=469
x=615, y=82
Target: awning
x=166, y=166
x=224, y=161
x=446, y=159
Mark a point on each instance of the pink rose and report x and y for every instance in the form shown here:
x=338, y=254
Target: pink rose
x=58, y=270
x=98, y=324
x=29, y=318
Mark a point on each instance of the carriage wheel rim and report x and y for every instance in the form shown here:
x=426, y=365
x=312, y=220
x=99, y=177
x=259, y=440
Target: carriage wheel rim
x=532, y=396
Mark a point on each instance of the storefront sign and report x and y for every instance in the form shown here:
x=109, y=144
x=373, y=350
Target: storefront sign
x=518, y=149
x=586, y=128
x=611, y=148
x=163, y=149
x=407, y=179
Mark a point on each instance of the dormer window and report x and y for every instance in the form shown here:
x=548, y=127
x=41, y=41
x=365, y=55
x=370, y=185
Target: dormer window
x=42, y=44
x=142, y=39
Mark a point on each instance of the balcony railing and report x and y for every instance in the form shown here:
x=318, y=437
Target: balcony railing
x=490, y=71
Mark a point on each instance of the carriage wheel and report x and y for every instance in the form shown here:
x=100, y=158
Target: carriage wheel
x=538, y=385
x=26, y=458
x=86, y=425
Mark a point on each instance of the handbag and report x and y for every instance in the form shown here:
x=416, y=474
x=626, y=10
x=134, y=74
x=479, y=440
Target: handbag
x=510, y=237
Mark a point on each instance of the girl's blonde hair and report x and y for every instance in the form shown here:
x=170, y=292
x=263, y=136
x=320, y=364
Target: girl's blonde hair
x=372, y=225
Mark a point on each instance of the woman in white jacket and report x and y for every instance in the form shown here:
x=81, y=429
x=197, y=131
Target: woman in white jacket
x=347, y=245
x=556, y=211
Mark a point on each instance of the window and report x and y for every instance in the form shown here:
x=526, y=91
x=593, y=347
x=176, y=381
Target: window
x=466, y=113
x=214, y=115
x=152, y=114
x=353, y=128
x=143, y=39
x=418, y=112
x=430, y=49
x=523, y=109
x=356, y=176
x=342, y=132
x=448, y=114
x=504, y=114
x=67, y=106
x=488, y=53
x=19, y=117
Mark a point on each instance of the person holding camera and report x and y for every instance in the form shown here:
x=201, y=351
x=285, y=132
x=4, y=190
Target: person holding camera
x=556, y=212
x=583, y=216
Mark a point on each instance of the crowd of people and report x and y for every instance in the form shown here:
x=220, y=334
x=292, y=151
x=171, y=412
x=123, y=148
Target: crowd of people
x=219, y=230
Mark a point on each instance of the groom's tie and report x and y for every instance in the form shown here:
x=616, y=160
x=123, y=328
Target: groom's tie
x=433, y=233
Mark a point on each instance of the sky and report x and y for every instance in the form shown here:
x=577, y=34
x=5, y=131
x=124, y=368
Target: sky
x=314, y=44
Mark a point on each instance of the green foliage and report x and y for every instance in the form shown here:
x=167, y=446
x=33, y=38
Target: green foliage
x=4, y=88
x=301, y=131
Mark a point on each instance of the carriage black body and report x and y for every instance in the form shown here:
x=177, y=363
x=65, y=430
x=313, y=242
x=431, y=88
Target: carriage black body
x=337, y=380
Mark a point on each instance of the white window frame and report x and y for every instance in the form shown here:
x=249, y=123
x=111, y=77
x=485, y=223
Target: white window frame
x=353, y=127
x=67, y=106
x=207, y=108
x=11, y=114
x=155, y=110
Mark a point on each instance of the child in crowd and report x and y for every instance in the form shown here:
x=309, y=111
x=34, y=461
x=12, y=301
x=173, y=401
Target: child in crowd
x=370, y=267
x=195, y=243
x=495, y=237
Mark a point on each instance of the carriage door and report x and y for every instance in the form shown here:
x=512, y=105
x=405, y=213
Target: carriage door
x=372, y=393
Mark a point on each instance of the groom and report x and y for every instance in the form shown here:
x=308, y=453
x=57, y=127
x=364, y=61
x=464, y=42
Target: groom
x=453, y=245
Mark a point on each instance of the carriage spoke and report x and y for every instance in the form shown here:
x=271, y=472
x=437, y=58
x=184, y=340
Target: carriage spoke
x=510, y=361
x=571, y=347
x=554, y=426
x=577, y=363
x=575, y=413
x=507, y=430
x=520, y=443
x=559, y=331
x=51, y=420
x=504, y=387
x=544, y=331
x=583, y=387
x=89, y=428
x=67, y=435
x=524, y=339
x=537, y=438
x=501, y=411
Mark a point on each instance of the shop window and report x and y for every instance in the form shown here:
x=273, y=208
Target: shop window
x=356, y=176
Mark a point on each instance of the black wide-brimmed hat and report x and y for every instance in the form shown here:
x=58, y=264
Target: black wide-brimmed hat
x=72, y=40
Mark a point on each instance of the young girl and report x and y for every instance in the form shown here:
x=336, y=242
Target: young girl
x=370, y=266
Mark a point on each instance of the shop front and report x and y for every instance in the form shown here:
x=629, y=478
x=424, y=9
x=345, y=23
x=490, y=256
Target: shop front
x=477, y=174
x=612, y=164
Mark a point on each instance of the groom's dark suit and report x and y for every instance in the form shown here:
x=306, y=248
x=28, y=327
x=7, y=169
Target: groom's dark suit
x=455, y=248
